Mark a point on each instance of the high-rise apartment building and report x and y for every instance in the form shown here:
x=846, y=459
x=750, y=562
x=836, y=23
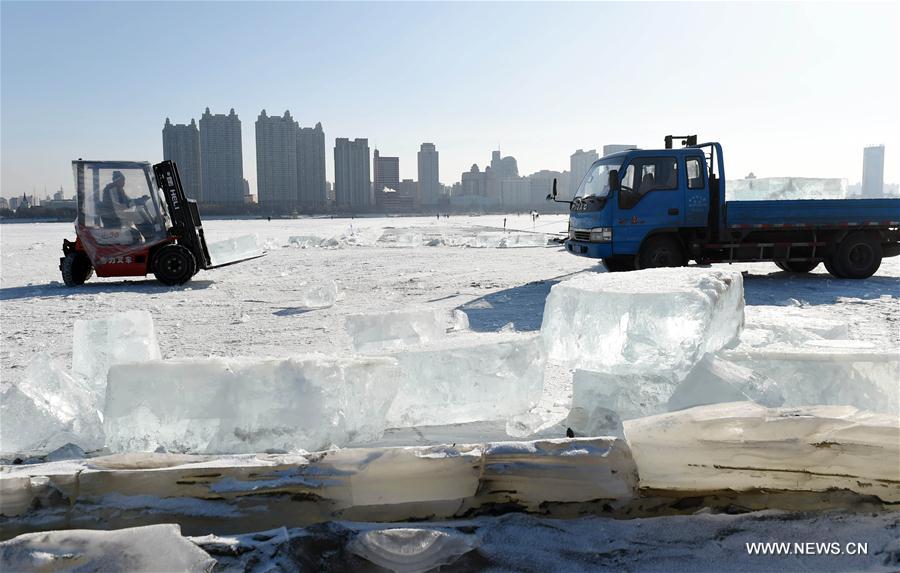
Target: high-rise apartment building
x=311, y=167
x=352, y=175
x=181, y=144
x=276, y=163
x=873, y=171
x=387, y=176
x=221, y=159
x=429, y=175
x=579, y=164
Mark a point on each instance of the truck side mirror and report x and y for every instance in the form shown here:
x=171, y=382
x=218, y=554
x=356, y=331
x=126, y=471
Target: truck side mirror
x=614, y=184
x=552, y=195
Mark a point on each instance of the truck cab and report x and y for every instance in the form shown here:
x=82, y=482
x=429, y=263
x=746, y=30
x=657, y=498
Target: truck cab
x=644, y=208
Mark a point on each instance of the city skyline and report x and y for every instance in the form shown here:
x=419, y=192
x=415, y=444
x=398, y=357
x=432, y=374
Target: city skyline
x=802, y=103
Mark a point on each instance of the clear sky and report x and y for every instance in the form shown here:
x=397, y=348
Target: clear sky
x=788, y=88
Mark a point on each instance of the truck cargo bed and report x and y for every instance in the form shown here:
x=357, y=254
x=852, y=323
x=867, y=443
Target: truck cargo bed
x=823, y=213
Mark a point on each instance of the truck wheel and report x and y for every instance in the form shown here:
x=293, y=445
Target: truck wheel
x=661, y=251
x=798, y=266
x=174, y=265
x=859, y=255
x=619, y=264
x=780, y=265
x=832, y=268
x=76, y=268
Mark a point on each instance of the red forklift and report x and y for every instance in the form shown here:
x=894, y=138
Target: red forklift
x=134, y=219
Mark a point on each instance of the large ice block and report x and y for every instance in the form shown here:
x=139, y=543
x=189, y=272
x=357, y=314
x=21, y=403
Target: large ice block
x=468, y=378
x=47, y=409
x=651, y=321
x=234, y=249
x=742, y=446
x=825, y=371
x=713, y=381
x=398, y=329
x=99, y=343
x=247, y=405
x=627, y=395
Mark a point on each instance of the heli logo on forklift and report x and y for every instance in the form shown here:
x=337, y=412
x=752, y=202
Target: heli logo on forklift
x=123, y=260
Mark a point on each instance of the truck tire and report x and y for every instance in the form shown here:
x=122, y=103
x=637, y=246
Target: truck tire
x=174, y=265
x=832, y=268
x=797, y=266
x=76, y=269
x=660, y=251
x=619, y=264
x=859, y=255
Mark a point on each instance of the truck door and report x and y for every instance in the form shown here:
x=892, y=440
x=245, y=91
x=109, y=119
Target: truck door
x=696, y=196
x=649, y=199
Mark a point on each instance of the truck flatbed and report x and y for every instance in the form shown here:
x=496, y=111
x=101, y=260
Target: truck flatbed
x=812, y=213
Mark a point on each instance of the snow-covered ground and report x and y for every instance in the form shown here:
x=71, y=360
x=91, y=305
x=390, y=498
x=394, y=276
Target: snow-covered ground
x=500, y=279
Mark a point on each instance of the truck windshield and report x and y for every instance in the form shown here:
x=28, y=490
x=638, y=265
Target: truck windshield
x=596, y=180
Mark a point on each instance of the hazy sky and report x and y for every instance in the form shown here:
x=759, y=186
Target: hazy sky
x=788, y=88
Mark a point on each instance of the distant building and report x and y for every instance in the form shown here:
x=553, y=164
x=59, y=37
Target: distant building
x=311, y=167
x=59, y=195
x=4, y=203
x=329, y=192
x=615, y=148
x=181, y=144
x=221, y=159
x=14, y=203
x=873, y=171
x=246, y=188
x=579, y=164
x=386, y=176
x=352, y=175
x=276, y=163
x=429, y=175
x=474, y=182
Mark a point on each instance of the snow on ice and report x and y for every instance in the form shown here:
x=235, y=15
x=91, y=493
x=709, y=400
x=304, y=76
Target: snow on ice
x=742, y=445
x=657, y=320
x=216, y=405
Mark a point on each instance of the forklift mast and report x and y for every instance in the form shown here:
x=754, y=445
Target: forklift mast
x=185, y=215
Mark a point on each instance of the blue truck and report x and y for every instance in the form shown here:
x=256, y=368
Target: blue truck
x=645, y=208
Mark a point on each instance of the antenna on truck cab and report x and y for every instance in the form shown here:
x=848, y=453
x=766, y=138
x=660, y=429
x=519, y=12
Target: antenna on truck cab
x=686, y=140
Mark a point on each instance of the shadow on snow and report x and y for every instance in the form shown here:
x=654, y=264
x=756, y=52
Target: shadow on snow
x=148, y=286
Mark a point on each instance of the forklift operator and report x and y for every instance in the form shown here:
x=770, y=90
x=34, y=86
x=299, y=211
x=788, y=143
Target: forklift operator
x=114, y=203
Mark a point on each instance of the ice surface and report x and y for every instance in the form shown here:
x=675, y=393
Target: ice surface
x=121, y=337
x=47, y=409
x=468, y=378
x=742, y=445
x=315, y=294
x=397, y=329
x=234, y=249
x=768, y=188
x=139, y=549
x=824, y=371
x=713, y=381
x=651, y=321
x=411, y=550
x=248, y=405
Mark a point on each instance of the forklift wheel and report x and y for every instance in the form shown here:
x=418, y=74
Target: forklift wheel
x=174, y=265
x=76, y=268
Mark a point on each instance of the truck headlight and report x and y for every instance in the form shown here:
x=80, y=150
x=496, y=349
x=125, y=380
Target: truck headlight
x=601, y=234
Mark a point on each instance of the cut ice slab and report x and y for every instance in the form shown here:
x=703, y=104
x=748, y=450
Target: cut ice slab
x=647, y=321
x=468, y=378
x=234, y=250
x=397, y=329
x=714, y=380
x=313, y=295
x=138, y=549
x=248, y=405
x=744, y=446
x=99, y=343
x=47, y=409
x=823, y=371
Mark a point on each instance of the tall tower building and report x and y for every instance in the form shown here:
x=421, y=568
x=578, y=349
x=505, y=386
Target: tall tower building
x=387, y=176
x=276, y=162
x=429, y=175
x=873, y=171
x=311, y=167
x=352, y=173
x=579, y=164
x=181, y=144
x=221, y=159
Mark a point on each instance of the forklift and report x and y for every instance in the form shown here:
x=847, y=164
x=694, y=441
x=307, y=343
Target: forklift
x=133, y=220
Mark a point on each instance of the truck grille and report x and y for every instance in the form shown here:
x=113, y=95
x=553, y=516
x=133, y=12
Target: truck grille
x=581, y=235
